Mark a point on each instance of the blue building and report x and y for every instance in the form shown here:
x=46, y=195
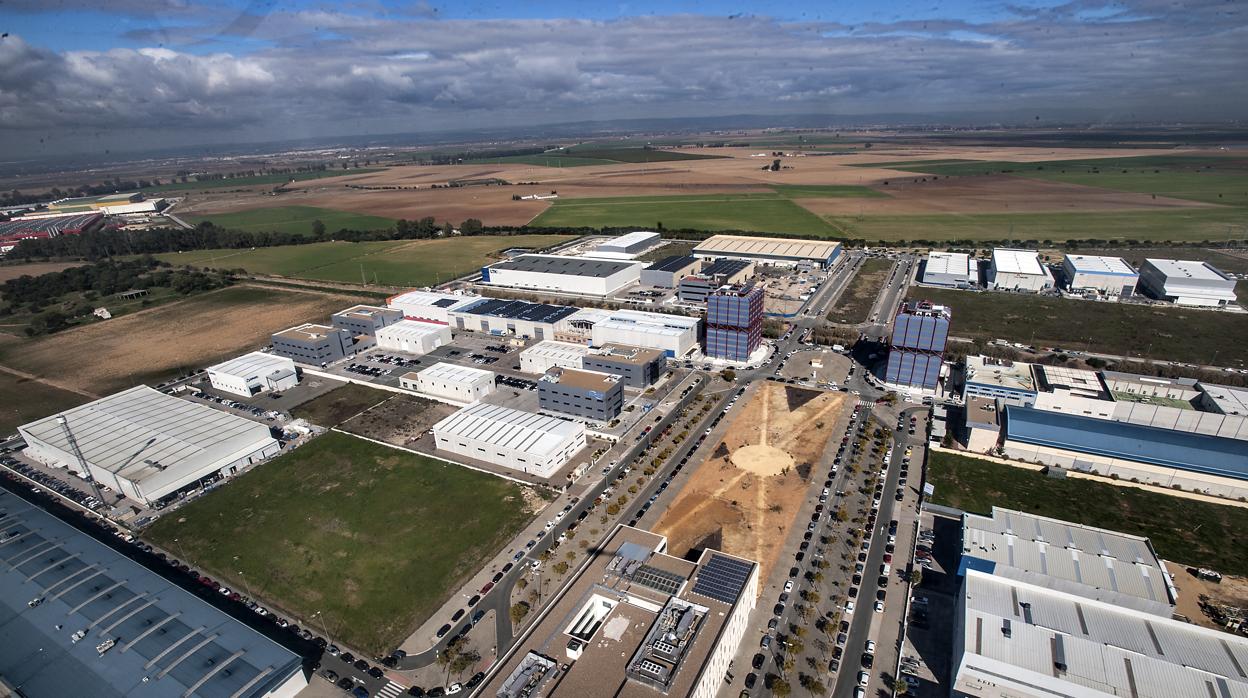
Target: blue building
x=734, y=322
x=916, y=349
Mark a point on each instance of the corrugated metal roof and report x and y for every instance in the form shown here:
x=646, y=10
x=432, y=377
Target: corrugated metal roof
x=564, y=266
x=1008, y=261
x=1093, y=264
x=456, y=374
x=411, y=329
x=506, y=427
x=816, y=250
x=255, y=363
x=557, y=350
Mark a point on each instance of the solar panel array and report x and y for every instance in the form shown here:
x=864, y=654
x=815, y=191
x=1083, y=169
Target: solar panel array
x=722, y=578
x=657, y=579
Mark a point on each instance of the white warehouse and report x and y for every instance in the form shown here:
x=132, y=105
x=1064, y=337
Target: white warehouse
x=1018, y=270
x=950, y=269
x=675, y=335
x=580, y=275
x=543, y=356
x=256, y=372
x=450, y=383
x=531, y=443
x=627, y=246
x=1111, y=276
x=1186, y=282
x=146, y=444
x=413, y=337
x=429, y=306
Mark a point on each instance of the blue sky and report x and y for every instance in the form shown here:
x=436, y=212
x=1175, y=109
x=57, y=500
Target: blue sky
x=157, y=72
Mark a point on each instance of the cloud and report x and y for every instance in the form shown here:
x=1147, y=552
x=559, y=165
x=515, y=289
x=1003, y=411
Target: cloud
x=321, y=70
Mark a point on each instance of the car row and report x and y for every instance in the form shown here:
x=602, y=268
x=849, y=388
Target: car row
x=52, y=483
x=234, y=404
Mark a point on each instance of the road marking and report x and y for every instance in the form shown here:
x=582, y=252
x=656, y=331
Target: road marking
x=390, y=690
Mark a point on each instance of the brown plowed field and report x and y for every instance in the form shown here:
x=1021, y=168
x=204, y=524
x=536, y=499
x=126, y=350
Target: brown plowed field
x=745, y=496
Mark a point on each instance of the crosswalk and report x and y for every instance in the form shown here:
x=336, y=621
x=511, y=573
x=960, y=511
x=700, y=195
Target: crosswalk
x=390, y=690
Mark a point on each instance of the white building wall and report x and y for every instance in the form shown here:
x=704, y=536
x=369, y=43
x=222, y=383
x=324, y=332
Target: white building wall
x=225, y=382
x=543, y=356
x=566, y=283
x=676, y=344
x=460, y=392
x=1022, y=282
x=398, y=337
x=730, y=639
x=539, y=465
x=1109, y=284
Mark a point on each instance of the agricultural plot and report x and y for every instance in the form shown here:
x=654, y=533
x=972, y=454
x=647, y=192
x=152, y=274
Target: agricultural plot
x=825, y=191
x=257, y=180
x=293, y=219
x=372, y=538
x=27, y=400
x=752, y=212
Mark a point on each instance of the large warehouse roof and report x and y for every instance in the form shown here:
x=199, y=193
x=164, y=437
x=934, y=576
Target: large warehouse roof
x=656, y=323
x=957, y=263
x=1143, y=444
x=1092, y=264
x=519, y=310
x=410, y=329
x=152, y=439
x=637, y=237
x=1008, y=261
x=454, y=373
x=559, y=351
x=506, y=427
x=565, y=266
x=729, y=245
x=167, y=642
x=1183, y=269
x=428, y=298
x=673, y=263
x=256, y=363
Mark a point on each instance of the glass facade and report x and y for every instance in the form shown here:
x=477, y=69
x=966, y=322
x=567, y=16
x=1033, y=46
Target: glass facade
x=734, y=322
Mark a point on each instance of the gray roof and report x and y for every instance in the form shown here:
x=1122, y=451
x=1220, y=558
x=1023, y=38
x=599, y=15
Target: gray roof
x=506, y=427
x=567, y=266
x=167, y=641
x=673, y=263
x=251, y=364
x=725, y=267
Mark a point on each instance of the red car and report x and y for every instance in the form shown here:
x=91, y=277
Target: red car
x=487, y=587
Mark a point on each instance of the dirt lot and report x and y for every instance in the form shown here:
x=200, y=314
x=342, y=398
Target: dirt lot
x=155, y=344
x=1232, y=591
x=747, y=493
x=401, y=420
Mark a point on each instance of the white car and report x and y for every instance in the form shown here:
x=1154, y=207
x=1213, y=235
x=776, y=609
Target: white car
x=788, y=586
x=863, y=678
x=870, y=646
x=879, y=606
x=849, y=607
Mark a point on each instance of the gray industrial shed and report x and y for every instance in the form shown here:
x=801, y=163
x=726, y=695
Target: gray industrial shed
x=77, y=618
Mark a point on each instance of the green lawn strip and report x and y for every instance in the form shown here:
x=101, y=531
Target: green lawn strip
x=825, y=191
x=257, y=179
x=374, y=539
x=1184, y=530
x=292, y=219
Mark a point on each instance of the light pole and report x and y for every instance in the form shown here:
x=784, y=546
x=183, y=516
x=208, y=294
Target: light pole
x=323, y=629
x=245, y=584
x=181, y=554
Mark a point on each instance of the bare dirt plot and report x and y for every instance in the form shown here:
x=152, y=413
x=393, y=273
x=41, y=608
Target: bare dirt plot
x=154, y=344
x=401, y=420
x=13, y=271
x=1232, y=591
x=749, y=490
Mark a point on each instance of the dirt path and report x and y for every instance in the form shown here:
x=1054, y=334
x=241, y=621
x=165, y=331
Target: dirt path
x=46, y=381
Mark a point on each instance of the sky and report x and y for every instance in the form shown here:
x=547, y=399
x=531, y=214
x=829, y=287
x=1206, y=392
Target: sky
x=127, y=75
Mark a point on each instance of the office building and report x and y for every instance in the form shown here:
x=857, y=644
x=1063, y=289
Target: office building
x=950, y=270
x=450, y=383
x=548, y=354
x=146, y=444
x=1186, y=282
x=675, y=335
x=916, y=348
x=627, y=246
x=530, y=443
x=314, y=345
x=1000, y=379
x=771, y=251
x=637, y=367
x=1018, y=270
x=253, y=373
x=668, y=272
x=365, y=320
x=563, y=274
x=591, y=395
x=413, y=337
x=578, y=328
x=695, y=288
x=734, y=322
x=1109, y=276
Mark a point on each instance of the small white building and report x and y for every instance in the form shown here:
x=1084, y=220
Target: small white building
x=564, y=274
x=1111, y=276
x=256, y=372
x=1186, y=282
x=543, y=356
x=675, y=335
x=429, y=306
x=951, y=270
x=531, y=443
x=413, y=337
x=1018, y=270
x=450, y=383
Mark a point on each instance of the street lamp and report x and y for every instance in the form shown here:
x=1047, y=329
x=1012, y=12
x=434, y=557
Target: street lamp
x=318, y=614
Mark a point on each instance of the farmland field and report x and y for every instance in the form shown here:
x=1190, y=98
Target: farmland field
x=293, y=219
x=820, y=191
x=349, y=529
x=1176, y=334
x=635, y=155
x=37, y=400
x=1172, y=523
x=388, y=262
x=753, y=212
x=257, y=179
x=553, y=160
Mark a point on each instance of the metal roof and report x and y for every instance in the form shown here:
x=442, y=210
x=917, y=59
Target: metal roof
x=953, y=263
x=455, y=373
x=256, y=363
x=551, y=349
x=725, y=267
x=506, y=427
x=167, y=642
x=1092, y=264
x=519, y=310
x=673, y=263
x=655, y=323
x=565, y=266
x=818, y=250
x=153, y=439
x=623, y=242
x=1008, y=261
x=1183, y=269
x=411, y=329
x=1144, y=444
x=429, y=298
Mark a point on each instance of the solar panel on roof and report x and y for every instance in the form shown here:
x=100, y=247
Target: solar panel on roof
x=657, y=579
x=722, y=578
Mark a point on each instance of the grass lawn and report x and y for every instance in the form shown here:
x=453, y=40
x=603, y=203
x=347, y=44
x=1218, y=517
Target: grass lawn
x=1182, y=530
x=373, y=538
x=292, y=219
x=753, y=212
x=37, y=400
x=340, y=404
x=825, y=191
x=258, y=179
x=389, y=262
x=855, y=302
x=1177, y=334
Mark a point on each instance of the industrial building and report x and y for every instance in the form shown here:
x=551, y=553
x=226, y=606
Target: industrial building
x=450, y=383
x=1000, y=379
x=563, y=274
x=1018, y=270
x=627, y=246
x=146, y=444
x=916, y=348
x=428, y=306
x=1109, y=276
x=365, y=320
x=1016, y=639
x=675, y=335
x=721, y=272
x=1185, y=282
x=639, y=368
x=413, y=337
x=79, y=618
x=543, y=356
x=950, y=270
x=636, y=622
x=598, y=397
x=668, y=272
x=36, y=228
x=578, y=328
x=314, y=345
x=531, y=443
x=734, y=322
x=773, y=251
x=512, y=318
x=256, y=372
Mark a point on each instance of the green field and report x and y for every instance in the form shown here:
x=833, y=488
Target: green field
x=855, y=302
x=29, y=400
x=389, y=262
x=1182, y=530
x=258, y=179
x=753, y=212
x=825, y=191
x=293, y=219
x=1171, y=333
x=340, y=404
x=373, y=538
